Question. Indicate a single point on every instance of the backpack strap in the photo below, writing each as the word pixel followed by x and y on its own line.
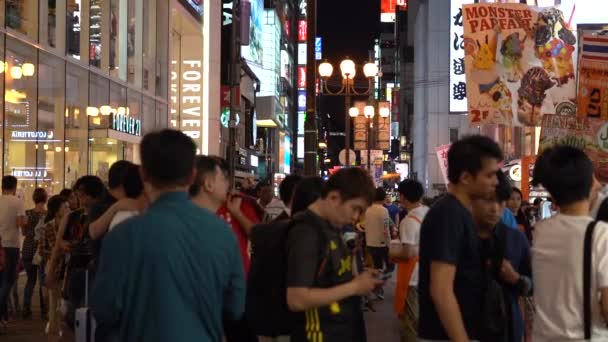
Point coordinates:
pixel 587 262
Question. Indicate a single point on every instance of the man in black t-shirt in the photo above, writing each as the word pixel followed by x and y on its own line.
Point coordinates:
pixel 450 278
pixel 320 281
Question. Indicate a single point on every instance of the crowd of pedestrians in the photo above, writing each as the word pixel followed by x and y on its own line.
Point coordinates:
pixel 172 250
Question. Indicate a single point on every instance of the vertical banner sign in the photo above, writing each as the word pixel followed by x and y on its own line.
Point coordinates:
pixel 458 91
pixel 302 30
pixel 593 77
pixel 360 132
pixel 318 48
pixel 519 64
pixel 301 77
pixel 387 11
pixel 442 158
pixel 588 134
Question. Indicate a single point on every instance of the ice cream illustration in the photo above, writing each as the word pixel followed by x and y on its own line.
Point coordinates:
pixel 555 45
pixel 532 93
pixel 512 51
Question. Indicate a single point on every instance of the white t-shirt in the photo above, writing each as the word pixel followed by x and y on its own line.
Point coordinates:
pixel 377 225
pixel 557 269
pixel 122 216
pixel 409 231
pixel 275 208
pixel 11 207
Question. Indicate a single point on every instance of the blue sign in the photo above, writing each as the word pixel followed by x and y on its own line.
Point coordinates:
pixel 301 100
pixel 318 48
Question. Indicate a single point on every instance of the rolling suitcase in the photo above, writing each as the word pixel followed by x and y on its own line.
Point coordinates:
pixel 84 323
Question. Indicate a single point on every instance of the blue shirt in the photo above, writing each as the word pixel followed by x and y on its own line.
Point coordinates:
pixel 169 275
pixel 509 219
pixel 393 212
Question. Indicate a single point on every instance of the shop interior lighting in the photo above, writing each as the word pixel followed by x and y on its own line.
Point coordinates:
pixel 97 121
pixel 322 145
pixel 121 111
pixel 67 149
pixel 92 111
pixel 3 67
pixel 28 69
pixel 16 72
pixel 266 123
pixel 14 96
pixel 105 110
pixel 57 149
pixel 45 147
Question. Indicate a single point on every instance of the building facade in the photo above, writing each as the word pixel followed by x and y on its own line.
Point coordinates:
pixel 83 80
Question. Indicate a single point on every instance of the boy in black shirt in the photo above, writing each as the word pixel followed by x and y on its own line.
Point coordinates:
pixel 450 278
pixel 320 280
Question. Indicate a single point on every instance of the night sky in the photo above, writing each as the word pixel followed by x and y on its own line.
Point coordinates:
pixel 348 28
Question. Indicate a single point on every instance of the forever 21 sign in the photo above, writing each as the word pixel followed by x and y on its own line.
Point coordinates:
pixel 126 124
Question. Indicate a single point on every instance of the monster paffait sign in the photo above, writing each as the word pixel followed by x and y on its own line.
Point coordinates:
pixel 519 64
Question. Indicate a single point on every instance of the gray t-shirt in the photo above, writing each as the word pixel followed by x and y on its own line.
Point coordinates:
pixel 11 207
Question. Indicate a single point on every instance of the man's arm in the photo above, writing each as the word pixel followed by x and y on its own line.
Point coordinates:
pixel 442 294
pixel 234 300
pixel 409 231
pixel 244 215
pixel 21 217
pixel 99 227
pixel 59 249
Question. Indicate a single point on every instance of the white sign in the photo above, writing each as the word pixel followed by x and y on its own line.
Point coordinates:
pixel 40 135
pixel 403 169
pixel 515 172
pixel 458 98
pixel 302 54
pixel 442 158
pixel 285 65
pixel 300 147
pixel 254 161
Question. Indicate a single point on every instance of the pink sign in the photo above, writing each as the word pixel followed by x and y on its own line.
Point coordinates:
pixel 442 158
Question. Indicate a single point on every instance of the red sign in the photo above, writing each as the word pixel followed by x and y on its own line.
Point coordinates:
pixel 302 30
pixel 287 28
pixel 396 100
pixel 225 96
pixel 388 6
pixel 301 76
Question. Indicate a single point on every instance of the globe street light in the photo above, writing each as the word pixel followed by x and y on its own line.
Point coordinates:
pixel 348 70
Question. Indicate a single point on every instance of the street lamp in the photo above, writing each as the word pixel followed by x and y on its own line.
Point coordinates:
pixel 348 70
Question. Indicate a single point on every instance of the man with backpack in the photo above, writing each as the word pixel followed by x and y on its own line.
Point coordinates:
pixel 508 269
pixel 570 253
pixel 320 282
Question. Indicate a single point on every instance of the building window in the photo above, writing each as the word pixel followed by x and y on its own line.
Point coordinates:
pixel 51 114
pixel 21 134
pixel 76 135
pixel 95 32
pixel 22 16
pixel 48 22
pixel 149 115
pixel 73 28
pixel 162 49
pixel 453 135
pixel 115 37
pixel 162 116
pixel 149 45
pixel 99 95
pixel 132 36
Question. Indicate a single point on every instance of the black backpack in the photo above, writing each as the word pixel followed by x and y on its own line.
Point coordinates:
pixel 266 307
pixel 496 311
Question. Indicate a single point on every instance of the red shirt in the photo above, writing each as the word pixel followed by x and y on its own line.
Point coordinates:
pixel 249 212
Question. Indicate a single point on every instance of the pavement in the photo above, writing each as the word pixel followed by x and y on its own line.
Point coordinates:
pixel 382 325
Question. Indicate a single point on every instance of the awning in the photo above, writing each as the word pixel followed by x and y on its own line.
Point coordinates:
pixel 112 134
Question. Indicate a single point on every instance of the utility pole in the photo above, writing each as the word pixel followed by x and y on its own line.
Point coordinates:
pixel 310 125
pixel 235 84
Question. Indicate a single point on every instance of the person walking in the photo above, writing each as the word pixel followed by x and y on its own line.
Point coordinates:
pixel 173 272
pixel 450 272
pixel 30 244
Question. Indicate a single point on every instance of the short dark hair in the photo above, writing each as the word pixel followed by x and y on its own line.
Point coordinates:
pixel 566 172
pixel 306 193
pixel 503 187
pixel 39 196
pixel 91 185
pixel 204 166
pixel 167 157
pixel 516 189
pixel 412 190
pixel 287 187
pixel 53 207
pixel 350 183
pixel 9 183
pixel 117 172
pixel 379 194
pixel 132 182
pixel 467 155
pixel 66 193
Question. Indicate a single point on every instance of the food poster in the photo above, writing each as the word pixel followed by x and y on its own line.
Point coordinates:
pixel 519 64
pixel 442 159
pixel 588 134
pixel 593 77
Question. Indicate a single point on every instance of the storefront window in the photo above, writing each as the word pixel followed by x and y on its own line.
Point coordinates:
pixel 22 16
pixel 51 114
pixel 118 99
pixel 103 153
pixel 99 95
pixel 21 134
pixel 161 115
pixel 95 33
pixel 73 20
pixel 149 115
pixel 149 44
pixel 76 135
pixel 115 29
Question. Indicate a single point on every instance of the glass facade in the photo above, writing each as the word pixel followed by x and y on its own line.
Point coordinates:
pixel 69 81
